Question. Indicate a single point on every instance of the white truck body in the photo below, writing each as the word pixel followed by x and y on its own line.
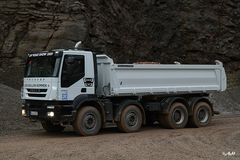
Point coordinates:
pixel 90 92
pixel 157 79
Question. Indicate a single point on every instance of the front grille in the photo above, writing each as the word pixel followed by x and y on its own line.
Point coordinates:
pixel 37 90
pixel 37 95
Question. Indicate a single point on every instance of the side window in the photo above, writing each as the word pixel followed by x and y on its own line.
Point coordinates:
pixel 73 70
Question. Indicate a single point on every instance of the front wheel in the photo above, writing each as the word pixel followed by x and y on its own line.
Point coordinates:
pixel 202 115
pixel 50 127
pixel 176 118
pixel 88 121
pixel 130 119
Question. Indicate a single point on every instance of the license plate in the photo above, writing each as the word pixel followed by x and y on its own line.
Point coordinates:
pixel 33 113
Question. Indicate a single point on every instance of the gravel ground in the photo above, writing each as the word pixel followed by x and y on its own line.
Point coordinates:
pixel 212 142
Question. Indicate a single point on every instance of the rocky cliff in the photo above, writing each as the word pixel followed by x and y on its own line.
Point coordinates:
pixel 128 30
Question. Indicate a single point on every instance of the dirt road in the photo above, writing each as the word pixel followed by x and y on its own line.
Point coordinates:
pixel 222 136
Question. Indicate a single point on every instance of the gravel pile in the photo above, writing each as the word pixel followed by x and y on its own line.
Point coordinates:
pixel 12 76
pixel 228 101
pixel 10 112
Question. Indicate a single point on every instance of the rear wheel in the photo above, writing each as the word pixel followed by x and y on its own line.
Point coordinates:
pixel 50 127
pixel 130 119
pixel 202 115
pixel 176 118
pixel 88 121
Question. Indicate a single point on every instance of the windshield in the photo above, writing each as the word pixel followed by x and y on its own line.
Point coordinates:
pixel 46 66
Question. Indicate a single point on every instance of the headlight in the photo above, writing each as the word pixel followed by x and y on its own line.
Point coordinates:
pixel 50 114
pixel 24 112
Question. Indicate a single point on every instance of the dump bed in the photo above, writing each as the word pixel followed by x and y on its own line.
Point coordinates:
pixel 158 79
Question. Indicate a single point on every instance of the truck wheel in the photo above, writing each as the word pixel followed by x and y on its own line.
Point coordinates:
pixel 88 121
pixel 50 127
pixel 130 119
pixel 202 115
pixel 176 118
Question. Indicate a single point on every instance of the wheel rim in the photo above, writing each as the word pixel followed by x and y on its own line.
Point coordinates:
pixel 202 115
pixel 178 116
pixel 90 121
pixel 131 119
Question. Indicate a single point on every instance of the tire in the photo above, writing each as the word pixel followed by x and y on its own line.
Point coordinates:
pixel 50 127
pixel 88 121
pixel 176 118
pixel 131 119
pixel 202 115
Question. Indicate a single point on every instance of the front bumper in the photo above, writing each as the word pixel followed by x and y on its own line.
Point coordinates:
pixel 58 112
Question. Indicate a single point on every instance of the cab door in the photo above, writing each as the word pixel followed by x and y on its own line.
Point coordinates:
pixel 72 77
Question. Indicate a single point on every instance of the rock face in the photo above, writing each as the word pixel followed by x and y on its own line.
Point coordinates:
pixel 40 25
pixel 128 30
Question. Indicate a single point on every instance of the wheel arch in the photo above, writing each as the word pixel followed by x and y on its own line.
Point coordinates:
pixel 88 100
pixel 167 102
pixel 126 103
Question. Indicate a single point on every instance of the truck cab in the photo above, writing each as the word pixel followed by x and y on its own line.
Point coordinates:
pixel 59 75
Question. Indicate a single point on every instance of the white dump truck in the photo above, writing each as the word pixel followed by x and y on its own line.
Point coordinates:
pixel 90 92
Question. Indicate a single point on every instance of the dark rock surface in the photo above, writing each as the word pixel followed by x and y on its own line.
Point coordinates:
pixel 128 30
pixel 39 25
